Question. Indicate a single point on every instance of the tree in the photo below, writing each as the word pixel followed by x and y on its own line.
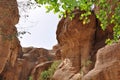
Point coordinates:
pixel 108 11
pixel 24 8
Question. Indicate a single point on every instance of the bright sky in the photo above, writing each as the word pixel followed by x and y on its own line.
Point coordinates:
pixel 42 27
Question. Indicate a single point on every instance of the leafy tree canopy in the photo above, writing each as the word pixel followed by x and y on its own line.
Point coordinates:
pixel 108 12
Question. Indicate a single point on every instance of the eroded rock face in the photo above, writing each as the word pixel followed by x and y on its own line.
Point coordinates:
pixel 32 61
pixel 9 44
pixel 40 58
pixel 76 40
pixel 37 55
pixel 79 44
pixel 57 51
pixel 107 65
pixel 36 72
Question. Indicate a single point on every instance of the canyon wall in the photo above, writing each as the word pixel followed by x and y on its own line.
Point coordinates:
pixel 9 44
pixel 17 63
pixel 78 46
pixel 31 64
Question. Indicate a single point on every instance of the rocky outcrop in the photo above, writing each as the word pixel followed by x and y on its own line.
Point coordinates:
pixel 78 45
pixel 107 65
pixel 75 40
pixel 10 48
pixel 34 57
pixel 29 64
pixel 36 72
pixel 37 55
pixel 45 62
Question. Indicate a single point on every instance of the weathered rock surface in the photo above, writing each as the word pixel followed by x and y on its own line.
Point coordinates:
pixel 39 69
pixel 57 52
pixel 45 62
pixel 32 61
pixel 34 57
pixel 107 65
pixel 9 44
pixel 78 45
pixel 37 55
pixel 76 40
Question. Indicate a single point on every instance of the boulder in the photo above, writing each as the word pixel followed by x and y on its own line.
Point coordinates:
pixel 107 66
pixel 36 72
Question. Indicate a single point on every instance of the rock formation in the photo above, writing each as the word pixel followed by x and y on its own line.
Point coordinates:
pixel 78 45
pixel 14 66
pixel 39 69
pixel 107 66
pixel 57 52
pixel 32 61
pixel 17 63
pixel 9 44
pixel 76 40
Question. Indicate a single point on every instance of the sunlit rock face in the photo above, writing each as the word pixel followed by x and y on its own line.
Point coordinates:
pixel 9 44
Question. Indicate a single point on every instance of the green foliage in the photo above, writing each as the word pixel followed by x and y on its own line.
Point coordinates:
pixel 47 75
pixel 65 6
pixel 87 63
pixel 106 13
pixel 108 41
pixel 30 78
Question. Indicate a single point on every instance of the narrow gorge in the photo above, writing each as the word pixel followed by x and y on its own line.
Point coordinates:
pixel 81 49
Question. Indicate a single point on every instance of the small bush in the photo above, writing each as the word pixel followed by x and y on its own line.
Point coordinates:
pixel 47 75
pixel 30 78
